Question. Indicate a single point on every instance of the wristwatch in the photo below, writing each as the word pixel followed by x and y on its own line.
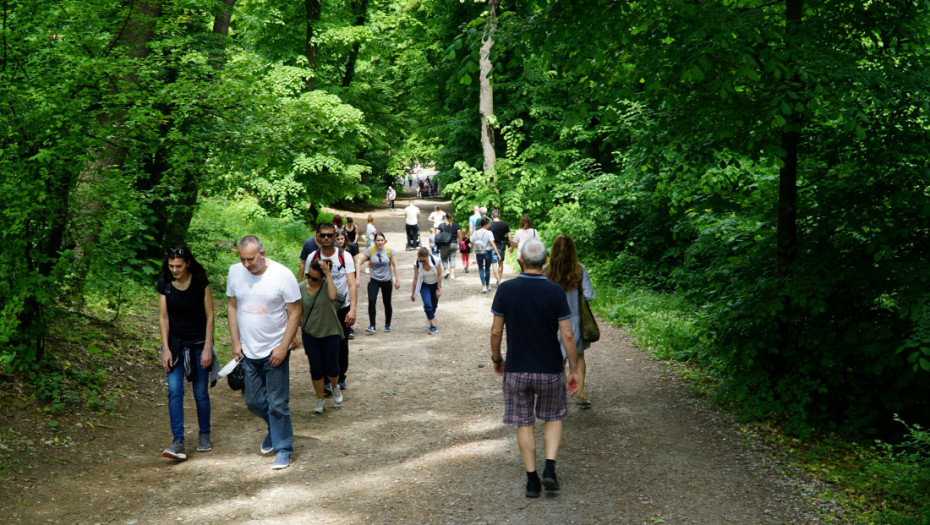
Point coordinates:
pixel 498 360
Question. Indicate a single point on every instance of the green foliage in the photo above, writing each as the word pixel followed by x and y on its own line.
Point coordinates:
pixel 901 473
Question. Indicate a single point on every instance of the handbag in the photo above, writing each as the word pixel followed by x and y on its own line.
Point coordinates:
pixel 589 330
pixel 236 378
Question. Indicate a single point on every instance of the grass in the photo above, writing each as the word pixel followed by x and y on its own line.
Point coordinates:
pixel 874 484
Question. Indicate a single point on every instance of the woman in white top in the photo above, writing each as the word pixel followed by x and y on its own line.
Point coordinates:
pixel 427 281
pixel 483 245
pixel 436 217
pixel 525 233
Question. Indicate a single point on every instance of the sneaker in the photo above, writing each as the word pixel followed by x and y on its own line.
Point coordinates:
pixel 387 328
pixel 371 329
pixel 367 270
pixel 327 390
pixel 175 451
pixel 466 269
pixel 433 330
pixel 452 277
pixel 583 402
pixel 484 289
pixel 266 444
pixel 320 406
pixel 533 487
pixel 282 460
pixel 204 445
pixel 337 395
pixel 351 333
pixel 549 480
pixel 446 275
pixel 342 385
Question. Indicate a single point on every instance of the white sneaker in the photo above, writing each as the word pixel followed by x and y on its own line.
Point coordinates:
pixel 446 276
pixel 484 289
pixel 367 270
pixel 320 406
pixel 337 395
pixel 452 277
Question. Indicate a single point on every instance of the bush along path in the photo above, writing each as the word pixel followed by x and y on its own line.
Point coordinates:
pixel 419 439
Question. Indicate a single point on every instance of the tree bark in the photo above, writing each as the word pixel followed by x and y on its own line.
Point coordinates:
pixel 222 20
pixel 88 208
pixel 486 93
pixel 787 233
pixel 786 243
pixel 361 13
pixel 314 10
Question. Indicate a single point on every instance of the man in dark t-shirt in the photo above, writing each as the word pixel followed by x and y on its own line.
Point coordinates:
pixel 501 231
pixel 535 312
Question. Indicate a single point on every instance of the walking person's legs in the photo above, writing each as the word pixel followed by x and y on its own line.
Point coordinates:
pixel 372 304
pixel 386 289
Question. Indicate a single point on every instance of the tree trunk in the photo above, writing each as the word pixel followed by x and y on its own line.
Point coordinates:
pixel 786 243
pixel 314 9
pixel 88 208
pixel 361 11
pixel 221 22
pixel 486 93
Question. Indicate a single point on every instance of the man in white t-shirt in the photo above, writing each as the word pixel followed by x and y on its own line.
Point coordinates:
pixel 264 314
pixel 412 220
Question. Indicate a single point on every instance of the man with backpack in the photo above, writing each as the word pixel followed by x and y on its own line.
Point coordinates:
pixel 343 273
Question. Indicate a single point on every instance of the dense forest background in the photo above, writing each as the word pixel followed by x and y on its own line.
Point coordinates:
pixel 763 163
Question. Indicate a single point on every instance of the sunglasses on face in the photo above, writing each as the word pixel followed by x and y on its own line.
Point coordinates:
pixel 314 279
pixel 327 235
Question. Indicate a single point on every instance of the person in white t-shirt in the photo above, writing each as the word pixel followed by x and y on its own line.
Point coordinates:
pixel 436 217
pixel 263 310
pixel 482 242
pixel 412 221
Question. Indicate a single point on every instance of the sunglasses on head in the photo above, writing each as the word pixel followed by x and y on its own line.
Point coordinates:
pixel 175 252
pixel 327 235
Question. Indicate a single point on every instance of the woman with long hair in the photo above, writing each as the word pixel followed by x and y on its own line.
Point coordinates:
pixel 380 259
pixel 185 316
pixel 370 232
pixel 427 281
pixel 565 270
pixel 321 330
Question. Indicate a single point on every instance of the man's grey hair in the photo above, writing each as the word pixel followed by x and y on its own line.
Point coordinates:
pixel 495 213
pixel 483 210
pixel 534 254
pixel 251 240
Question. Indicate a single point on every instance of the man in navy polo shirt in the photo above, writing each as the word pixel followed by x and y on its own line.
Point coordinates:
pixel 534 310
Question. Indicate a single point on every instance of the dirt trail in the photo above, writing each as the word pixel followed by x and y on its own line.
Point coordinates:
pixel 419 439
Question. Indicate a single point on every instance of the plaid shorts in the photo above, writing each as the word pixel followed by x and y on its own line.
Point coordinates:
pixel 524 389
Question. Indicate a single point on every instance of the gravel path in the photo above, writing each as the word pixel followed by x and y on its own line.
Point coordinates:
pixel 419 439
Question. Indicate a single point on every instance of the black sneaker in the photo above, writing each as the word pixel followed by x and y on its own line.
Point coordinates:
pixel 533 487
pixel 549 480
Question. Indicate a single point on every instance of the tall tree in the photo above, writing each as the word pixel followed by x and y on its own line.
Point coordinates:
pixel 486 96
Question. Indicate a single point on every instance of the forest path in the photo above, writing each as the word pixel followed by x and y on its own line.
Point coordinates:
pixel 419 439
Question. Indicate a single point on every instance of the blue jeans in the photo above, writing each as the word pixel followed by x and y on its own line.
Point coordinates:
pixel 176 397
pixel 267 394
pixel 430 301
pixel 484 267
